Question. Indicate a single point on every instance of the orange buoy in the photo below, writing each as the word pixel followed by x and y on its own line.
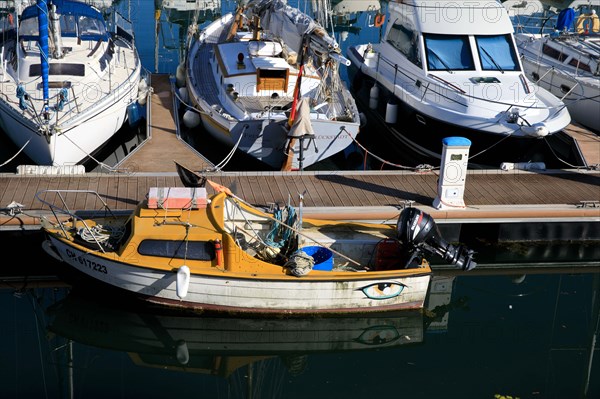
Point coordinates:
pixel 219 252
pixel 379 19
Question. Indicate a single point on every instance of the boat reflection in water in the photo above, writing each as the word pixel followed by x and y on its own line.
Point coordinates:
pixel 221 345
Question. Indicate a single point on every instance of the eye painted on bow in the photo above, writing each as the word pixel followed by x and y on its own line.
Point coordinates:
pixel 378 335
pixel 383 290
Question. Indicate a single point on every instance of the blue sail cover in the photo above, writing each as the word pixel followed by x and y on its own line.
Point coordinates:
pixel 42 11
pixel 565 19
pixel 76 9
pixel 66 7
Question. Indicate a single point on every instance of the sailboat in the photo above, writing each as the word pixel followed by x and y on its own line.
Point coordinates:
pixel 246 74
pixel 69 81
pixel 566 60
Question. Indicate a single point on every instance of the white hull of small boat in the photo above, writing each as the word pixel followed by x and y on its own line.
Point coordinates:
pixel 224 294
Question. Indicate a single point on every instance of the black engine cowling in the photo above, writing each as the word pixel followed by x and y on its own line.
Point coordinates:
pixel 418 233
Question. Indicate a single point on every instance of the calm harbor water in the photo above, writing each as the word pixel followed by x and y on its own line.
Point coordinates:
pixel 518 330
pixel 530 336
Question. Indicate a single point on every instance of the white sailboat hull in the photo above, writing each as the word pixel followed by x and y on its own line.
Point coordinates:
pixel 81 137
pixel 248 105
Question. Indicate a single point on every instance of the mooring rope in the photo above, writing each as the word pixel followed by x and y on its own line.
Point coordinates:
pixel 17 153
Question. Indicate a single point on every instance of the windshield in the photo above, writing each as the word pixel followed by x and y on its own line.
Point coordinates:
pixel 405 40
pixel 87 28
pixel 497 53
pixel 448 52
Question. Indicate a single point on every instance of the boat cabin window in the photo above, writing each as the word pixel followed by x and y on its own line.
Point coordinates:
pixel 68 69
pixel 554 53
pixel 68 26
pixel 406 41
pixel 91 28
pixel 448 52
pixel 580 65
pixel 497 53
pixel 28 28
pixel 194 250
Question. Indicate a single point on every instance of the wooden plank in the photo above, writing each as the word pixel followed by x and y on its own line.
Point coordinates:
pixel 370 191
pixel 256 184
pixel 298 186
pixel 32 189
pixel 275 194
pixel 327 192
pixel 588 142
pixel 90 199
pixel 19 194
pixel 80 198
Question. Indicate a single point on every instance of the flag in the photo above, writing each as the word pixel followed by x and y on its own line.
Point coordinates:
pixel 219 188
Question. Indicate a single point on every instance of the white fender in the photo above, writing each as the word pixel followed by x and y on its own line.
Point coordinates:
pixel 183 281
pixel 191 119
pixel 142 91
pixel 535 130
pixel 184 95
pixel 180 75
pixel 391 112
pixel 374 96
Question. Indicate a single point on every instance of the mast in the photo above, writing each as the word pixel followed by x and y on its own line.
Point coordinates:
pixel 289 152
pixel 42 8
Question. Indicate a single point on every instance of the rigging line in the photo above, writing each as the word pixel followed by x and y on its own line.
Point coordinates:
pixel 238 207
pixel 229 156
pixel 100 163
pixel 592 345
pixel 560 159
pixel 493 145
pixel 176 92
pixel 18 152
pixel 390 163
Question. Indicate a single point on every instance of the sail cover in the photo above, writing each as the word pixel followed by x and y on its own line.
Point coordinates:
pixel 291 25
pixel 302 125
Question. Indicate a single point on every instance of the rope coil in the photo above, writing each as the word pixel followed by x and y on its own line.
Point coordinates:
pixel 299 263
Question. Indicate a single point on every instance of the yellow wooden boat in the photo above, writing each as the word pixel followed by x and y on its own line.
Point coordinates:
pixel 182 248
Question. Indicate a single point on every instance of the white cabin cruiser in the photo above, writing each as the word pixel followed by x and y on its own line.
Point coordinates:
pixel 449 68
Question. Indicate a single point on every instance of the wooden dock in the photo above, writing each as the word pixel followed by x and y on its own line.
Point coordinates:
pixel 156 153
pixel 515 195
pixel 588 143
pixel 373 195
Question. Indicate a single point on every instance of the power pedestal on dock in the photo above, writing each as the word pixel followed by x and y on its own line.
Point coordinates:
pixel 453 173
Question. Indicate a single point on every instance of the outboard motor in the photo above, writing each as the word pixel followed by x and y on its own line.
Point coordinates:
pixel 418 232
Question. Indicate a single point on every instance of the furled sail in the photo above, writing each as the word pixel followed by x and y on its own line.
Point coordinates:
pixel 42 8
